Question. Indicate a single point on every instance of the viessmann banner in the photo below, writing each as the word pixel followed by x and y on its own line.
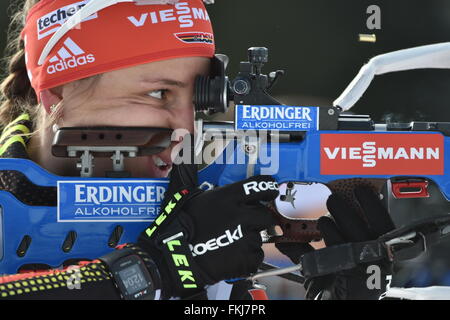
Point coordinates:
pixel 382 154
pixel 120 201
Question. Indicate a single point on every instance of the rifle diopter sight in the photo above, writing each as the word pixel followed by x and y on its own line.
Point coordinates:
pixel 215 92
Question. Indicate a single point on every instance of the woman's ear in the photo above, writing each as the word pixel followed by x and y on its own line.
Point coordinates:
pixel 50 98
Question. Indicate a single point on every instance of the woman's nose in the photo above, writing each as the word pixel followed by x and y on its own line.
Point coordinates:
pixel 183 117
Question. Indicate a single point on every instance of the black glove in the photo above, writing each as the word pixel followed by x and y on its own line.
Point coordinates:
pixel 346 226
pixel 221 230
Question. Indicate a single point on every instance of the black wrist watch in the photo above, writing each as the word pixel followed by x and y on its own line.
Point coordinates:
pixel 135 274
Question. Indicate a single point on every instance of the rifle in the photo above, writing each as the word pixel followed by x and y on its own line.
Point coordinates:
pixel 331 146
pixel 315 144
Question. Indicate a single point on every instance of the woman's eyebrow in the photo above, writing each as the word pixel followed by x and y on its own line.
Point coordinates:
pixel 165 81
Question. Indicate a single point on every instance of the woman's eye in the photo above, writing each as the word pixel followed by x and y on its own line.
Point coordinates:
pixel 158 94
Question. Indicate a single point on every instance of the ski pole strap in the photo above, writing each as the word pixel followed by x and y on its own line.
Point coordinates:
pixel 400 244
pixel 410 241
pixel 341 257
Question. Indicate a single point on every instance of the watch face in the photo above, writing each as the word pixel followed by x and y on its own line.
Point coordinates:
pixel 133 279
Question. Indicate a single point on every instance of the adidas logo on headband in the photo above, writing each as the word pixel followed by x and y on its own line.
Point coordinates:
pixel 69 56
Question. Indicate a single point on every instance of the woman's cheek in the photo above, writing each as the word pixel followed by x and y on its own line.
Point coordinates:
pixel 183 119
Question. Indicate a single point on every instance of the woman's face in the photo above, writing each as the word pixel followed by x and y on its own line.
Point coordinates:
pixel 157 94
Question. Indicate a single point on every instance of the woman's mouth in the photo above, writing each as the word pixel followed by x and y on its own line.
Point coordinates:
pixel 160 165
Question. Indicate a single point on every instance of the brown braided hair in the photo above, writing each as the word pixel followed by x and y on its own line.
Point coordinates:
pixel 17 95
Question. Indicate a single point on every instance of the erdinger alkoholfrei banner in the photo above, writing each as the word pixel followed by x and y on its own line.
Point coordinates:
pixel 110 200
pixel 276 117
pixel 118 36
